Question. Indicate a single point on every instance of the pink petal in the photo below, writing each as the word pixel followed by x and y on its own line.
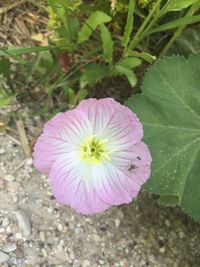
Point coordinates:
pixel 71 188
pixel 62 134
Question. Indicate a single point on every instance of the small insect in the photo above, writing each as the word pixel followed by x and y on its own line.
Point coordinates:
pixel 131 167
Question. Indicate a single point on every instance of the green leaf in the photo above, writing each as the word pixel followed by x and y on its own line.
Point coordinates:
pixel 177 5
pixel 129 23
pixel 143 55
pixel 107 44
pixel 13 51
pixel 96 18
pixel 130 62
pixel 130 75
pixel 169 108
pixel 93 74
pixel 176 23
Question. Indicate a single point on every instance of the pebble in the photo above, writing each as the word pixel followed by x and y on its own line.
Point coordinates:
pixel 162 249
pixel 60 227
pixel 86 263
pixel 13 187
pixel 9 247
pixel 18 235
pixel 9 178
pixel 2 151
pixel 19 253
pixel 5 222
pixel 117 222
pixel 44 252
pixel 24 222
pixel 3 257
pixel 42 236
pixel 120 214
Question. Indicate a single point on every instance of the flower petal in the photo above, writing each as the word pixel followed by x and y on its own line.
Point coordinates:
pixel 70 187
pixel 112 185
pixel 64 133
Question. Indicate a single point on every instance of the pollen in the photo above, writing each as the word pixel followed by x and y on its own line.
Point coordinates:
pixel 94 150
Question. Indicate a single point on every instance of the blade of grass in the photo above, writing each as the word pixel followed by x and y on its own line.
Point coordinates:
pixel 129 25
pixel 176 23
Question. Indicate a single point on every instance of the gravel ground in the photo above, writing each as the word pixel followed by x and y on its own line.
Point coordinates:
pixel 37 231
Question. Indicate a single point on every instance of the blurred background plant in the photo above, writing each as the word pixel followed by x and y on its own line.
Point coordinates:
pixel 89 48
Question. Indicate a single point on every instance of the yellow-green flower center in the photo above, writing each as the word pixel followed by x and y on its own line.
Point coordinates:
pixel 94 150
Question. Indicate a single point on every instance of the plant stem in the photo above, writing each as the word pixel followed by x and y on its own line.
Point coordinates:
pixel 136 38
pixel 178 32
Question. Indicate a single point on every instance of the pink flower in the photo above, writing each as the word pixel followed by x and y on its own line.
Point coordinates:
pixel 94 155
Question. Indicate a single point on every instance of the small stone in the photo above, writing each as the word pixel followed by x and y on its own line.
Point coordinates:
pixel 101 262
pixel 86 263
pixel 13 187
pixel 72 256
pixel 60 248
pixel 162 249
pixel 9 178
pixel 5 222
pixel 42 236
pixel 3 257
pixel 19 253
pixel 167 223
pixel 181 235
pixel 24 222
pixel 8 229
pixel 117 222
pixel 44 252
pixel 15 199
pixel 18 236
pixel 120 214
pixel 96 238
pixel 3 237
pixel 2 151
pixel 9 247
pixel 60 227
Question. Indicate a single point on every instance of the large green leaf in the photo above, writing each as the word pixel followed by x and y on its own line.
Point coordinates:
pixel 96 18
pixel 169 108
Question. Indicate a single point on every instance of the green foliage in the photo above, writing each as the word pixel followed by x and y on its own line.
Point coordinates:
pixel 96 18
pixel 130 75
pixel 129 24
pixel 93 73
pixel 177 5
pixel 107 44
pixel 169 110
pixel 145 56
pixel 176 23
